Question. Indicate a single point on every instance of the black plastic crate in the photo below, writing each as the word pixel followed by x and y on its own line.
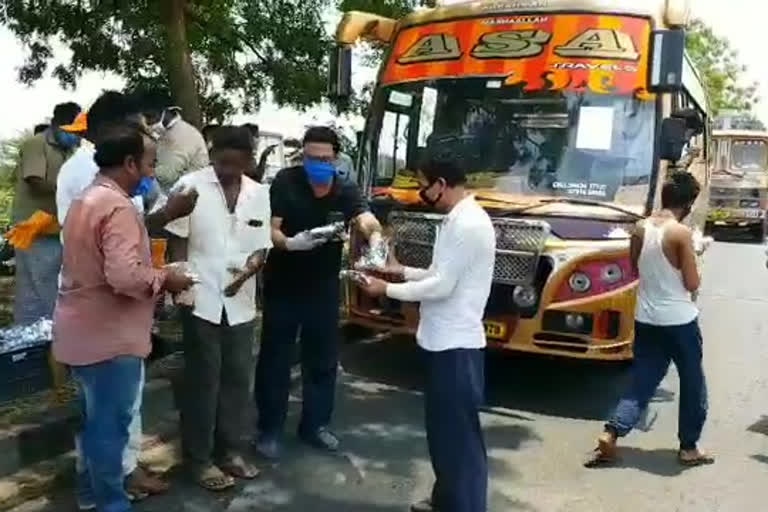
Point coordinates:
pixel 24 371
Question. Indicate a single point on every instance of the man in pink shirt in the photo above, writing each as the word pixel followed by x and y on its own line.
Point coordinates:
pixel 106 301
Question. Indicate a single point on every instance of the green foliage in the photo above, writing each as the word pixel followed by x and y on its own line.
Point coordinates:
pixel 243 47
pixel 721 71
pixel 9 155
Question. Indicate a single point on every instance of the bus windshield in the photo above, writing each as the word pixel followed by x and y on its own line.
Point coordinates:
pixel 576 144
pixel 749 155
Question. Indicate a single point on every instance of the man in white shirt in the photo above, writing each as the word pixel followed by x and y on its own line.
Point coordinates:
pixel 79 171
pixel 227 237
pixel 181 147
pixel 453 294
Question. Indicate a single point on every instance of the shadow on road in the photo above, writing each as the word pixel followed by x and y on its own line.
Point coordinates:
pixel 661 462
pixel 760 458
pixel 760 426
pixel 552 386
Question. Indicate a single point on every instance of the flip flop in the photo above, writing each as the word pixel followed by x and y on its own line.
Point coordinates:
pixel 213 479
pixel 237 467
pixel 701 459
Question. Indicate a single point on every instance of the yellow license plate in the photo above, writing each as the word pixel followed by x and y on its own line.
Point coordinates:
pixel 495 330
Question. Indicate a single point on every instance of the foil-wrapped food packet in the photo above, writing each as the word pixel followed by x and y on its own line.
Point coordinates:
pixel 19 337
pixel 328 231
pixel 375 256
pixel 355 276
pixel 187 297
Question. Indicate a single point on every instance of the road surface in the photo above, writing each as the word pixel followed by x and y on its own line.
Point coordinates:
pixel 542 418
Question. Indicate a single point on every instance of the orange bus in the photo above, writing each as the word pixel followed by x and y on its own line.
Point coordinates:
pixel 567 116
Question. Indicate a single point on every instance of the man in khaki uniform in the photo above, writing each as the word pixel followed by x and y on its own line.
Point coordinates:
pixel 181 147
pixel 37 267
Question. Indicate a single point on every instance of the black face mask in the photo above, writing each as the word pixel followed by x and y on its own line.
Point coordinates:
pixel 429 202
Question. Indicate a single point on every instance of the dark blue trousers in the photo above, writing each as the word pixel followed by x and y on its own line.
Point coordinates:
pixel 453 394
pixel 655 347
pixel 315 312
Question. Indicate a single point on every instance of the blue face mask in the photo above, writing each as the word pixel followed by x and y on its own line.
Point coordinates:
pixel 65 139
pixel 144 186
pixel 319 172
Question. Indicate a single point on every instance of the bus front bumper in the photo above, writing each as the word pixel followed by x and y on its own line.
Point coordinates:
pixel 595 328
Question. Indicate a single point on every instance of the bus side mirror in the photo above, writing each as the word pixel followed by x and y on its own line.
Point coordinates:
pixel 340 79
pixel 667 57
pixel 673 139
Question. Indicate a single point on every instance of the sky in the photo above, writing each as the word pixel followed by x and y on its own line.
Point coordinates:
pixel 22 107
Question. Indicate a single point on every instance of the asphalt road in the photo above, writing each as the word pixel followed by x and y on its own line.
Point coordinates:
pixel 542 418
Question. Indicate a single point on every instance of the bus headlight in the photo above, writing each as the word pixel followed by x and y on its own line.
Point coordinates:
pixel 580 282
pixel 611 273
pixel 525 296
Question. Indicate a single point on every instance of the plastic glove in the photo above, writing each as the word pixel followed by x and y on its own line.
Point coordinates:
pixel 38 224
pixel 303 241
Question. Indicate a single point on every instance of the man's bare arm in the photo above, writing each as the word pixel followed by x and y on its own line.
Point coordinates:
pixel 367 224
pixel 687 257
pixel 278 237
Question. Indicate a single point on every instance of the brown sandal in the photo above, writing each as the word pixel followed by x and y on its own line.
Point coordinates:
pixel 237 467
pixel 214 479
pixel 698 459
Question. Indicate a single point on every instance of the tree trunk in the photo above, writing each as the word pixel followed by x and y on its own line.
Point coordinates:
pixel 181 74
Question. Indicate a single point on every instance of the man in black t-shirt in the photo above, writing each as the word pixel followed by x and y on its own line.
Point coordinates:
pixel 301 292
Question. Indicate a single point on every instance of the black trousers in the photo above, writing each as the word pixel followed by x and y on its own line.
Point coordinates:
pixel 216 393
pixel 453 395
pixel 315 312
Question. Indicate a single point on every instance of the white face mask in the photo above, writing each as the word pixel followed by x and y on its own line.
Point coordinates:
pixel 161 127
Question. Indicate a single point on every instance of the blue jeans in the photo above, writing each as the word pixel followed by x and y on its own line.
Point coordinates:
pixel 655 347
pixel 454 393
pixel 108 393
pixel 131 453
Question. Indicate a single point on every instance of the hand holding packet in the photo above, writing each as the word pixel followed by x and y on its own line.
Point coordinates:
pixel 355 276
pixel 375 256
pixel 187 297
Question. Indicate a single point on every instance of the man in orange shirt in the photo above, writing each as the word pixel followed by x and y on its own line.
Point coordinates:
pixel 106 301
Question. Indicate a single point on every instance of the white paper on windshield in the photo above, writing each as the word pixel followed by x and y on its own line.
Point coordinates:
pixel 595 128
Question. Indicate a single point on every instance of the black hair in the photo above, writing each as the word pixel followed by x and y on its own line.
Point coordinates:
pixel 117 142
pixel 680 190
pixel 232 137
pixel 322 135
pixel 253 128
pixel 111 107
pixel 65 113
pixel 40 128
pixel 152 100
pixel 435 168
pixel 209 130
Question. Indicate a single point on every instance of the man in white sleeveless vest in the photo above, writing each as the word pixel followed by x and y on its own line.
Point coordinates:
pixel 666 324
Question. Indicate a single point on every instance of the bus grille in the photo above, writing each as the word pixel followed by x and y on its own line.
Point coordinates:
pixel 519 244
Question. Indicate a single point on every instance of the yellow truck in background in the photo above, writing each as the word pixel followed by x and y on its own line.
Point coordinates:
pixel 739 191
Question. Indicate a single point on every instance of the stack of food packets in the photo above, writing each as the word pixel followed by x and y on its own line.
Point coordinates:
pixel 21 337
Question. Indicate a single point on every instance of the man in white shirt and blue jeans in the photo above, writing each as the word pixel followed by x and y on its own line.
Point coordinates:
pixel 227 237
pixel 453 294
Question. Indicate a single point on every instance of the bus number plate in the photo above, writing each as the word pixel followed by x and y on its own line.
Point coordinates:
pixel 495 330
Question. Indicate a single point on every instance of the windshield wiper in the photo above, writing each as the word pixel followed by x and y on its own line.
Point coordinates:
pixel 584 202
